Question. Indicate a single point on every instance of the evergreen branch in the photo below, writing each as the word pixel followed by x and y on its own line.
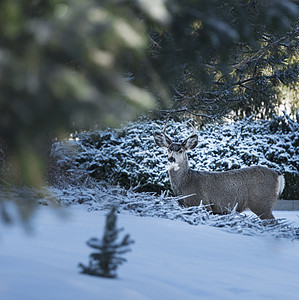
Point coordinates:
pixel 256 78
pixel 156 44
pixel 249 88
pixel 105 262
pixel 186 110
pixel 262 52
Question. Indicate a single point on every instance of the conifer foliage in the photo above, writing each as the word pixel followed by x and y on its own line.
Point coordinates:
pixel 107 257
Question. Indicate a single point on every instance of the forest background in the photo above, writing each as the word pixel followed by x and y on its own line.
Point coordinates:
pixel 70 66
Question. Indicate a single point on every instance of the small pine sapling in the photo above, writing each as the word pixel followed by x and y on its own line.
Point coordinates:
pixel 107 257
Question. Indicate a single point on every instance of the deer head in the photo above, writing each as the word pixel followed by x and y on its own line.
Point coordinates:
pixel 177 156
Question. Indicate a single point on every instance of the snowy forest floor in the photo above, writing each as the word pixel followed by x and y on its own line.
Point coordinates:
pixel 179 252
pixel 103 197
pixel 95 196
pixel 169 260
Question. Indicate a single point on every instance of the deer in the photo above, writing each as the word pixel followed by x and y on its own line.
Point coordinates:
pixel 256 188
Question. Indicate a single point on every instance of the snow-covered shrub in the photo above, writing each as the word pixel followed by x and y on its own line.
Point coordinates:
pixel 129 157
pixel 63 168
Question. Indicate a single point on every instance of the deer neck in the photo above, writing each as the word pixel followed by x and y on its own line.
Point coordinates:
pixel 178 174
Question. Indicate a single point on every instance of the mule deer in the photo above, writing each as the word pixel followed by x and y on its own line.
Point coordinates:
pixel 256 188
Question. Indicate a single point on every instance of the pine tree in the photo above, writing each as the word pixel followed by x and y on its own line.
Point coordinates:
pixel 107 257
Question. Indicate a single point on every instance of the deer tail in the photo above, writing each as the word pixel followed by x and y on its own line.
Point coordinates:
pixel 281 184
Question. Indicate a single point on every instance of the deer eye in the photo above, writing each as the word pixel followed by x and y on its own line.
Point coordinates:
pixel 181 151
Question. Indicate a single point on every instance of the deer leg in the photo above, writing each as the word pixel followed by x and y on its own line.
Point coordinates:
pixel 268 216
pixel 182 203
pixel 262 213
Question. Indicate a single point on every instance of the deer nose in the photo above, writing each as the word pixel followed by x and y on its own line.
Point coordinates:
pixel 171 159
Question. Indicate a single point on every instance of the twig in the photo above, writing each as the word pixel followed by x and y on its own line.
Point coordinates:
pixel 174 111
pixel 262 51
pixel 241 82
pixel 154 42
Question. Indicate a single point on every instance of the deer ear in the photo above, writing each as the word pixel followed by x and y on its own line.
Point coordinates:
pixel 162 140
pixel 190 142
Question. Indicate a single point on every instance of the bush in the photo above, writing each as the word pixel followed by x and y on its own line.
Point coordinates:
pixel 129 156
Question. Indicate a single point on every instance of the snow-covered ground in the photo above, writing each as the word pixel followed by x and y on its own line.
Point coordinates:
pixel 170 260
pixel 179 253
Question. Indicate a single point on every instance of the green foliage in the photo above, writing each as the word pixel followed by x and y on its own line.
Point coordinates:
pixel 105 261
pixel 221 56
pixel 65 65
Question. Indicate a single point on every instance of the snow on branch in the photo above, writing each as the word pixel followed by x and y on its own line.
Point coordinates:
pixel 164 206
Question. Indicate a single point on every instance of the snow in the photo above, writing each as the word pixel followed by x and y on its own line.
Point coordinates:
pixel 169 260
pixel 179 253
